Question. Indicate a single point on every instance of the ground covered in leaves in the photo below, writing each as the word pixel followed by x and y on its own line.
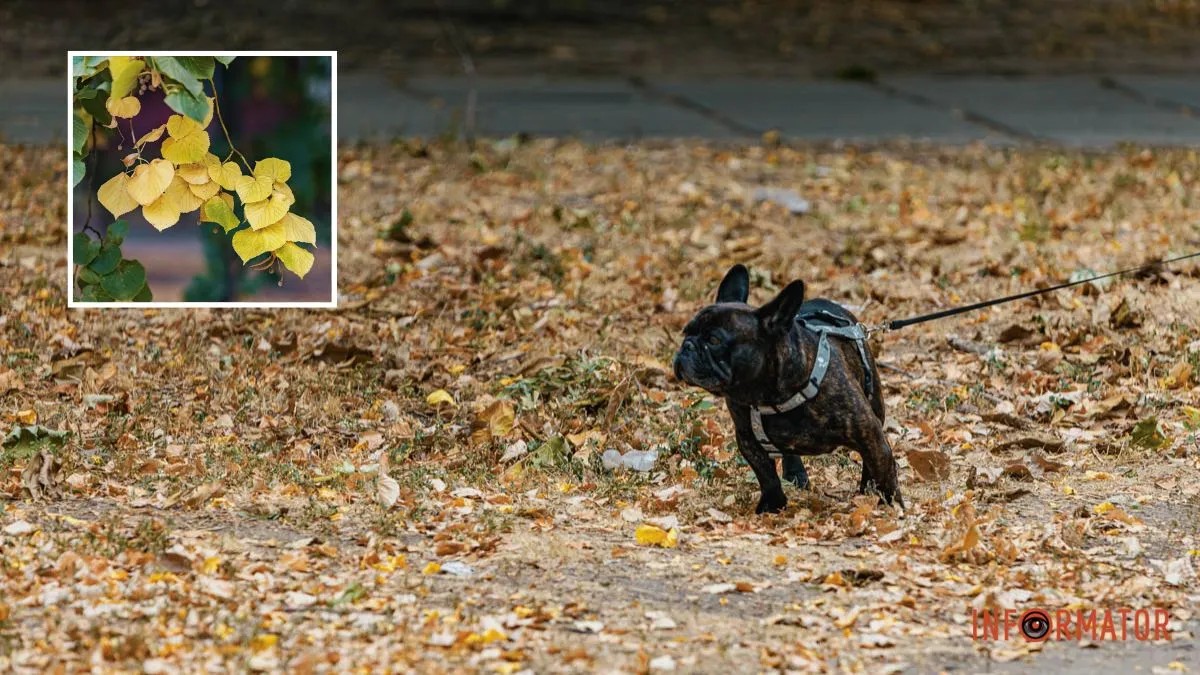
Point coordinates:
pixel 418 479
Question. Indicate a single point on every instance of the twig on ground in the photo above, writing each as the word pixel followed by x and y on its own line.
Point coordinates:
pixel 968 346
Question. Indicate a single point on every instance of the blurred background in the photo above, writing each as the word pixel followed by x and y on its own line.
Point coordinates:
pixel 274 106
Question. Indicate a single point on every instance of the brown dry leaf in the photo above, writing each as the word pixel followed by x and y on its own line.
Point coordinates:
pixel 929 465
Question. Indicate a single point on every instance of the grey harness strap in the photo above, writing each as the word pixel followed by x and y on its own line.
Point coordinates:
pixel 811 388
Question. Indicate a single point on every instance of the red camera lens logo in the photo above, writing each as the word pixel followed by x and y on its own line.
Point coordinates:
pixel 1035 625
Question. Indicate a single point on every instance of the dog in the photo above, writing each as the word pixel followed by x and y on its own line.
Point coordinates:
pixel 797 378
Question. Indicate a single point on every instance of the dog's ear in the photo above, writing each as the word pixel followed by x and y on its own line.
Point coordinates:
pixel 778 314
pixel 735 287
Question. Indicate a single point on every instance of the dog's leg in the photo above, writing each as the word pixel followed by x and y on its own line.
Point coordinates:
pixel 793 470
pixel 879 466
pixel 772 499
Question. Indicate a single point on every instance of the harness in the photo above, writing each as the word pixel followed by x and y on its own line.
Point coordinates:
pixel 825 324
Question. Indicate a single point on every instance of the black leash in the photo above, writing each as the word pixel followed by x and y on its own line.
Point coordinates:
pixel 902 323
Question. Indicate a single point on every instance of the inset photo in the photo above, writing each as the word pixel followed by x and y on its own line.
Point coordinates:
pixel 202 180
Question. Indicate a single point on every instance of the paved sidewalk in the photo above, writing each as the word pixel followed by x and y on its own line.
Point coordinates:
pixel 1073 111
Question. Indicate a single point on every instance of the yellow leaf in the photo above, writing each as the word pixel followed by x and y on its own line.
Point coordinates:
pixel 1098 475
pixel 27 417
pixel 124 71
pixel 123 107
pixel 299 229
pixel 163 213
pixel 275 168
pixel 266 212
pixel 672 539
pixel 250 244
pixel 188 143
pixel 295 259
pixel 225 175
pixel 1192 415
pixel 650 535
pixel 151 136
pixel 439 397
pixel 493 635
pixel 205 191
pixel 431 568
pixel 180 192
pixel 263 642
pixel 284 193
pixel 208 115
pixel 150 181
pixel 211 564
pixel 1103 507
pixel 219 210
pixel 114 195
pixel 500 417
pixel 195 173
pixel 253 188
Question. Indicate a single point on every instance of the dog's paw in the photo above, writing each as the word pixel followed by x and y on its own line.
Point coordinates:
pixel 771 503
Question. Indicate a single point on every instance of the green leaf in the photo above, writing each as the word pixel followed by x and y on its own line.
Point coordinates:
pixel 78 169
pixel 85 249
pixel 107 261
pixel 144 295
pixel 115 234
pixel 185 104
pixel 95 106
pixel 86 277
pixel 126 281
pixel 172 69
pixel 95 293
pixel 225 59
pixel 79 133
pixel 1148 434
pixel 85 66
pixel 200 66
pixel 216 210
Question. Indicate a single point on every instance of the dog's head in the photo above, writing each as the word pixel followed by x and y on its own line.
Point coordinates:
pixel 730 346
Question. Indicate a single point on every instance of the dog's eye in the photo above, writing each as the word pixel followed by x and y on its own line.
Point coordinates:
pixel 714 340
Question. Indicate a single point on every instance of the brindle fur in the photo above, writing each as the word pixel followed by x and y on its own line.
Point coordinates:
pixel 764 358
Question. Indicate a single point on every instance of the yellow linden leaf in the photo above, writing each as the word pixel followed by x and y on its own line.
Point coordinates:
pixel 253 188
pixel 296 259
pixel 225 175
pixel 195 173
pixel 180 193
pixel 263 642
pixel 208 115
pixel 219 210
pixel 114 196
pixel 1103 507
pixel 189 140
pixel 250 244
pixel 124 71
pixel 649 535
pixel 265 213
pixel 151 136
pixel 284 192
pixel 299 229
pixel 277 169
pixel 150 181
pixel 205 191
pixel 123 107
pixel 431 568
pixel 162 214
pixel 439 397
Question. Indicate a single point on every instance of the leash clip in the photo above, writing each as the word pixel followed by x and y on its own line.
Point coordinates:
pixel 871 329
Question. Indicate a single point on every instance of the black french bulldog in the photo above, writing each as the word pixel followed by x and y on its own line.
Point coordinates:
pixel 764 361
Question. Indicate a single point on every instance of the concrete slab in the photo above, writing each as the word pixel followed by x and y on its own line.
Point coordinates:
pixel 33 111
pixel 821 110
pixel 1073 111
pixel 1167 89
pixel 370 108
pixel 588 109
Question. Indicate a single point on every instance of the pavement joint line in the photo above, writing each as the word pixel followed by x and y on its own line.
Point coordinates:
pixel 678 100
pixel 1178 107
pixel 971 116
